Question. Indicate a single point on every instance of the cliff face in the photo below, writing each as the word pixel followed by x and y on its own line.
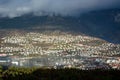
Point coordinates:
pixel 104 24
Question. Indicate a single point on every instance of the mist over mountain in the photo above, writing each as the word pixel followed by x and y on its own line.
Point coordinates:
pixel 15 8
pixel 103 24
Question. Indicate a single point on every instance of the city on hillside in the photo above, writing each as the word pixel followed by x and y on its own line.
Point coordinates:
pixel 58 50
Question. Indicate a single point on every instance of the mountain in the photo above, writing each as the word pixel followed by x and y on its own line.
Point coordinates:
pixel 103 24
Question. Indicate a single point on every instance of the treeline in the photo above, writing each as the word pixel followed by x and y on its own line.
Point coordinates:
pixel 57 74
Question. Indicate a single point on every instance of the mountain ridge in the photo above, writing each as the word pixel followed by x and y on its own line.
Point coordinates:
pixel 101 24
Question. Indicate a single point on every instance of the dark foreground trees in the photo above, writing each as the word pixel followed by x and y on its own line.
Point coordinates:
pixel 57 74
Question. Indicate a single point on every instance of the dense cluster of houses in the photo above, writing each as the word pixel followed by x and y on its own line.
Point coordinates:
pixel 66 45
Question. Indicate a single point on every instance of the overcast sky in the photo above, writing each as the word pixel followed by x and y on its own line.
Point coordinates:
pixel 13 8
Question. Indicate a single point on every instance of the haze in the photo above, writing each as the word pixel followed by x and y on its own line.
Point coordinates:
pixel 14 8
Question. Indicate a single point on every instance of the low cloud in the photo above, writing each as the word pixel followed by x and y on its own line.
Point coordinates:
pixel 14 8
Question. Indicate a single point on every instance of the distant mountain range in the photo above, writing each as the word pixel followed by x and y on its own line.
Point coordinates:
pixel 104 24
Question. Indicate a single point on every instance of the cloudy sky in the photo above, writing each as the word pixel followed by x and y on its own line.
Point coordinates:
pixel 14 8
